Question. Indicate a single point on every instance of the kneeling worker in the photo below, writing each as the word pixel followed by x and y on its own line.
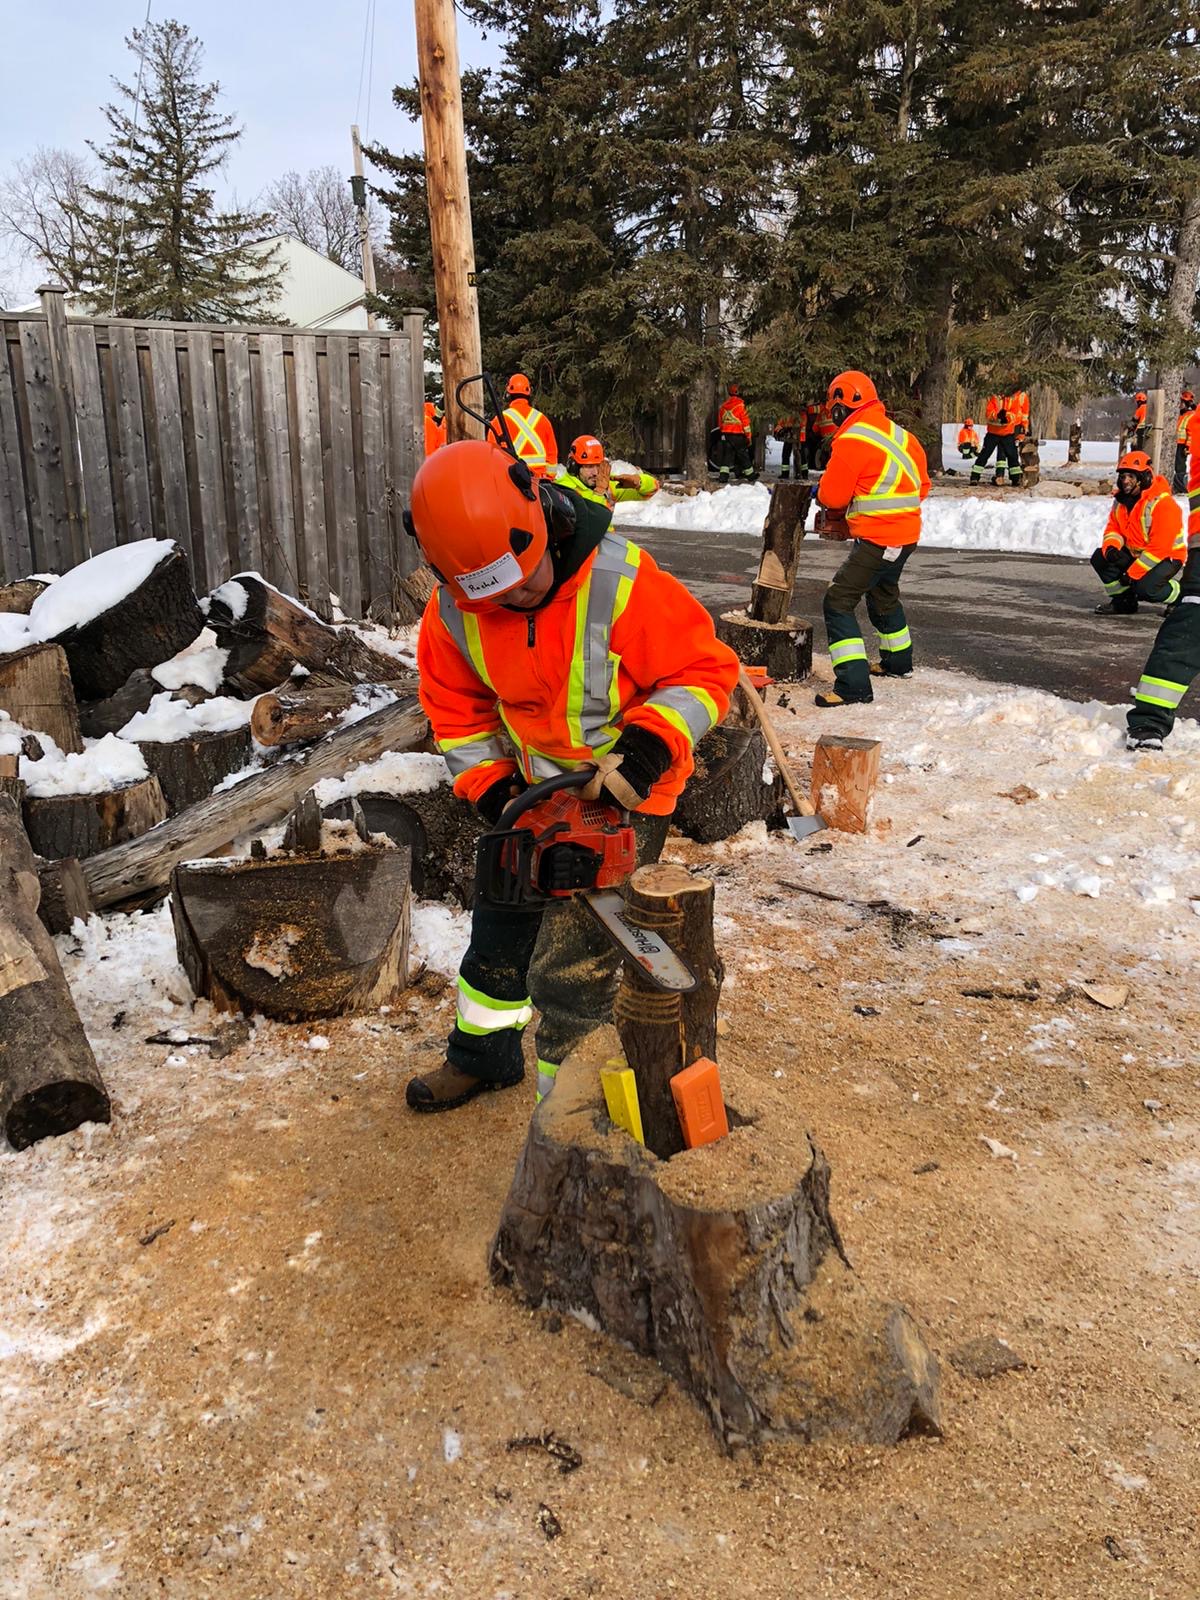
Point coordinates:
pixel 968 441
pixel 871 491
pixel 1144 544
pixel 549 644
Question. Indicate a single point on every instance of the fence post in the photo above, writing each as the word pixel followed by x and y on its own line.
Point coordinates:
pixel 53 298
pixel 408 556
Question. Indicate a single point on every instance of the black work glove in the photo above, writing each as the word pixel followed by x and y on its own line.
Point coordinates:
pixel 644 759
pixel 497 795
pixel 1002 416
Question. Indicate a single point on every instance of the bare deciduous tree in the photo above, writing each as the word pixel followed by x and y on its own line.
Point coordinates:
pixel 318 208
pixel 47 214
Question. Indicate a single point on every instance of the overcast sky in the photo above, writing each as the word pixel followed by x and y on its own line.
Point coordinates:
pixel 288 71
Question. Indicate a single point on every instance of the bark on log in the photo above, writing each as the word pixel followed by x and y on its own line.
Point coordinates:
pixel 98 717
pixel 783 648
pixel 35 690
pixel 411 595
pixel 272 633
pixel 1031 462
pixel 16 598
pixel 49 1081
pixel 295 937
pixel 1074 442
pixel 190 769
pixel 844 774
pixel 82 825
pixel 263 798
pixel 727 790
pixel 159 619
pixel 302 710
pixel 64 894
pixel 10 779
pixel 441 831
pixel 661 1033
pixel 783 532
pixel 723 1264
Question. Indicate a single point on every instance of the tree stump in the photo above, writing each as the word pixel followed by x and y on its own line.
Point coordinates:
pixel 16 598
pixel 190 769
pixel 844 774
pixel 723 1264
pixel 64 894
pixel 81 825
pixel 442 832
pixel 10 779
pixel 35 690
pixel 783 648
pixel 727 789
pixel 783 533
pixel 1074 443
pixel 295 937
pixel 300 710
pixel 153 623
pixel 663 1032
pixel 49 1081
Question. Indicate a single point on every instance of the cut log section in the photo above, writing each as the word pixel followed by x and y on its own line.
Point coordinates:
pixel 1031 462
pixel 156 621
pixel 19 596
pixel 49 1081
pixel 81 825
pixel 727 789
pixel 722 1264
pixel 661 1033
pixel 442 832
pixel 64 894
pixel 783 648
pixel 35 690
pixel 268 633
pixel 190 769
pixel 98 717
pixel 297 711
pixel 844 774
pixel 10 779
pixel 295 937
pixel 264 797
pixel 783 533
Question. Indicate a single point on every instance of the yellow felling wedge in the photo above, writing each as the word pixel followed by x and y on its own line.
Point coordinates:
pixel 621 1098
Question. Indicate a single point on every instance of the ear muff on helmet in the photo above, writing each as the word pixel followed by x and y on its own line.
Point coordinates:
pixel 523 478
pixel 559 509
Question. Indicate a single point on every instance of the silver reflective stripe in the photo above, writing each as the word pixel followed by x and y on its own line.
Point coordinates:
pixel 547 1071
pixel 452 618
pixel 1161 692
pixel 689 706
pixel 848 650
pixel 896 641
pixel 872 508
pixel 1148 512
pixel 613 564
pixel 472 753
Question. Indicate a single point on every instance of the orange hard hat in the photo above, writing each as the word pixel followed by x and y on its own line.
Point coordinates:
pixel 478 517
pixel 518 384
pixel 587 451
pixel 1134 461
pixel 733 388
pixel 851 389
pixel 1140 395
pixel 968 423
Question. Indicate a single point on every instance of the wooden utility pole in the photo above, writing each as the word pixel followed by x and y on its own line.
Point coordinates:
pixel 359 186
pixel 449 210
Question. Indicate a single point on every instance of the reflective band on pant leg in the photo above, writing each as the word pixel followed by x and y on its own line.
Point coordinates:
pixel 847 650
pixel 1160 692
pixel 478 1013
pixel 1117 586
pixel 547 1072
pixel 896 641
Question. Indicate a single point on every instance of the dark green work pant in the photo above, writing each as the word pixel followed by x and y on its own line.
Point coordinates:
pixel 1167 676
pixel 1008 454
pixel 871 571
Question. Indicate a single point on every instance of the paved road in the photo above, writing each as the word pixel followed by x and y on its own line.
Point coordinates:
pixel 1019 619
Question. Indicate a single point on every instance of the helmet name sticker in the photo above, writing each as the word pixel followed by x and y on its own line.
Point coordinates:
pixel 495 578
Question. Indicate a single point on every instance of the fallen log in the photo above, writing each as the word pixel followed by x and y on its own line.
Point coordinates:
pixel 268 633
pixel 727 789
pixel 441 831
pixel 295 937
pixel 723 1264
pixel 154 621
pixel 301 710
pixel 82 825
pixel 190 769
pixel 49 1081
pixel 17 598
pixel 260 799
pixel 35 690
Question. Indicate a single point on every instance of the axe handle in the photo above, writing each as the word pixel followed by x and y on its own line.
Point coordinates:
pixel 803 806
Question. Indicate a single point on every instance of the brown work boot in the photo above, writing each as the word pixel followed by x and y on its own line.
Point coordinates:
pixel 878 670
pixel 447 1087
pixel 828 698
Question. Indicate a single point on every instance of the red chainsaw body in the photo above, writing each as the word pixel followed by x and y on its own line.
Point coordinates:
pixel 563 845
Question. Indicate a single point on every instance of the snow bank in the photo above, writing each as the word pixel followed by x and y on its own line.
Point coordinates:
pixel 165 720
pixel 106 763
pixel 82 594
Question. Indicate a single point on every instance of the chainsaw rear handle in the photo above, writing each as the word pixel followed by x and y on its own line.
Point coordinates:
pixel 577 778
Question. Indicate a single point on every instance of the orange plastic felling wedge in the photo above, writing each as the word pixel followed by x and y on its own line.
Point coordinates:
pixel 758 677
pixel 697 1092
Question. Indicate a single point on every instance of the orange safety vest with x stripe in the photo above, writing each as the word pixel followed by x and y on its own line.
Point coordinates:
pixel 877 477
pixel 532 435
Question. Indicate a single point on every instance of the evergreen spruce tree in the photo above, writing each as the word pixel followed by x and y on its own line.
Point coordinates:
pixel 164 249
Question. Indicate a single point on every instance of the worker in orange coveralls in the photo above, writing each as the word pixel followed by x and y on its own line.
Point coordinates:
pixel 435 427
pixel 1144 544
pixel 734 422
pixel 549 644
pixel 871 493
pixel 530 430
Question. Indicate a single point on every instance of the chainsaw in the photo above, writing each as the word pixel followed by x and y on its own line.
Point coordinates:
pixel 550 845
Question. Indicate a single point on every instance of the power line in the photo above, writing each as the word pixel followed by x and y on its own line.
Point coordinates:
pixel 366 65
pixel 137 106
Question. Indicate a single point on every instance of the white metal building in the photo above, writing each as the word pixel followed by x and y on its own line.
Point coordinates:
pixel 314 292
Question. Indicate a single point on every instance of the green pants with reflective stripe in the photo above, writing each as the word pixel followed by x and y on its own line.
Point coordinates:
pixel 558 957
pixel 871 571
pixel 1174 662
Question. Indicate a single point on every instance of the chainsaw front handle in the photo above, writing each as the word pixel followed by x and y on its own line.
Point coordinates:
pixel 578 778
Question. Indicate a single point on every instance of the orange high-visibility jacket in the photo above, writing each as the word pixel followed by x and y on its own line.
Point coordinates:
pixel 1011 405
pixel 1193 479
pixel 795 428
pixel 532 434
pixel 1139 414
pixel 435 431
pixel 968 436
pixel 1152 528
pixel 1020 397
pixel 732 416
pixel 621 644
pixel 877 477
pixel 1181 432
pixel 824 426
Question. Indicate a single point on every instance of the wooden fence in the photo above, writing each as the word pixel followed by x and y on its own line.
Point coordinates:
pixel 278 450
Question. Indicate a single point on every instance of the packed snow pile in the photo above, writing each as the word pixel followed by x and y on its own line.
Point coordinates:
pixel 165 720
pixel 395 772
pixel 201 664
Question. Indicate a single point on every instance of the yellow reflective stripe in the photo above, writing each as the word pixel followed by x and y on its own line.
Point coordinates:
pixel 886 495
pixel 1148 512
pixel 527 434
pixel 1159 692
pixel 901 640
pixel 848 650
pixel 477 750
pixel 577 675
pixel 547 1071
pixel 691 711
pixel 475 647
pixel 478 1013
